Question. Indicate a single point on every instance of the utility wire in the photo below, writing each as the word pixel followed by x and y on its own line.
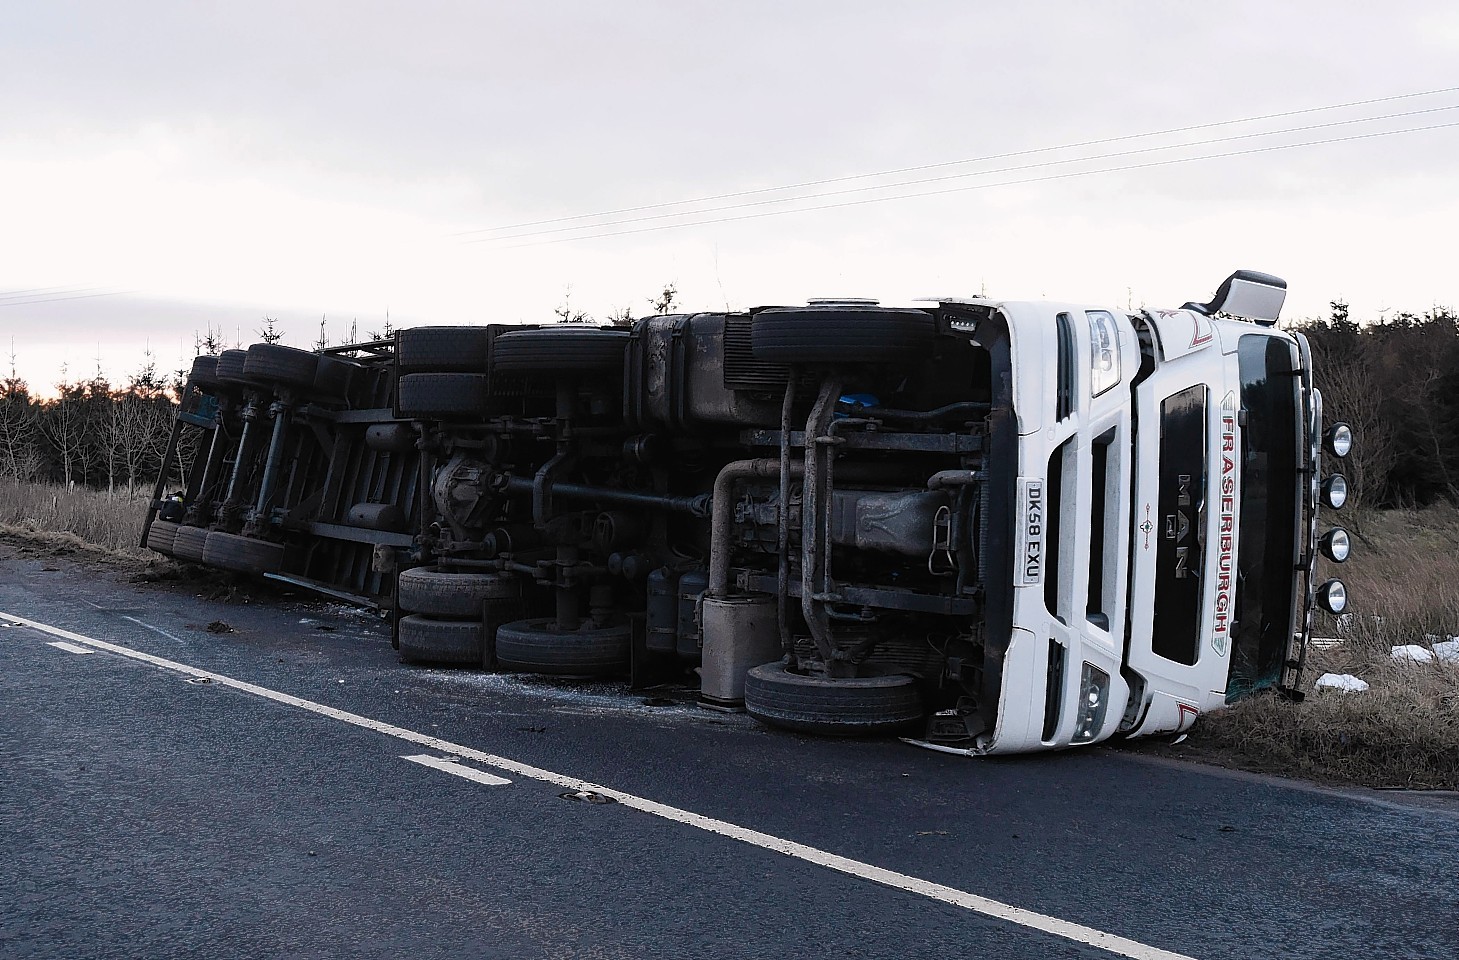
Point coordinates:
pixel 48 291
pixel 1002 183
pixel 961 176
pixel 952 163
pixel 86 296
pixel 7 294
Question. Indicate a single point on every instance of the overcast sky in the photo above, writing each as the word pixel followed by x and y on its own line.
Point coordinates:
pixel 166 167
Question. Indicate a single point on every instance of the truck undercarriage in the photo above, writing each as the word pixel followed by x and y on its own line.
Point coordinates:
pixel 803 506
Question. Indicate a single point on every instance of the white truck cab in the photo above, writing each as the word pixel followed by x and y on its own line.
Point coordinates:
pixel 1165 515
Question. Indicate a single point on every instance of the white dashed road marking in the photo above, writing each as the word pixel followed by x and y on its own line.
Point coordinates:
pixel 70 647
pixel 1066 929
pixel 451 766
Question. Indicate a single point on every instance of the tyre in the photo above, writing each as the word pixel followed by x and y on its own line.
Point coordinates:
pixel 851 707
pixel 423 640
pixel 276 363
pixel 204 374
pixel 439 593
pixel 161 535
pixel 559 349
pixel 188 543
pixel 229 551
pixel 442 396
pixel 229 368
pixel 538 646
pixel 442 349
pixel 841 334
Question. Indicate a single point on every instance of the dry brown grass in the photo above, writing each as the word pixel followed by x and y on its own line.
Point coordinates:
pixel 1403 581
pixel 75 520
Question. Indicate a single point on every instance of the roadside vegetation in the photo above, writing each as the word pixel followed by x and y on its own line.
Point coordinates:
pixel 1403 731
pixel 75 519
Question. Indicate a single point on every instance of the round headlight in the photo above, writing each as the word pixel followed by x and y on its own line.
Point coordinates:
pixel 1332 596
pixel 1336 545
pixel 1335 491
pixel 1339 439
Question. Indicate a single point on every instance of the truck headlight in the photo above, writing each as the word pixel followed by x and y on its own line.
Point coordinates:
pixel 1335 491
pixel 1093 702
pixel 1332 596
pixel 1339 439
pixel 1336 545
pixel 1104 351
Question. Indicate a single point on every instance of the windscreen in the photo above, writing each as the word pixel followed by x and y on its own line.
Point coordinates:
pixel 1267 549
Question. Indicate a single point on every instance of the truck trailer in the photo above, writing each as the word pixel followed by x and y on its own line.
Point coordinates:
pixel 987 526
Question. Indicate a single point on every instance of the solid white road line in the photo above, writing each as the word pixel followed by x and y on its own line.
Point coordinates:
pixel 1078 933
pixel 152 628
pixel 70 647
pixel 449 765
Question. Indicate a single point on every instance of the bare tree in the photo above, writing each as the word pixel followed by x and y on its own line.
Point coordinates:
pixel 19 459
pixel 62 424
pixel 566 312
pixel 666 299
pixel 209 343
pixel 384 333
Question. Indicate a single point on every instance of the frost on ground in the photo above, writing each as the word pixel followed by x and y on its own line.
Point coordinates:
pixel 1341 682
pixel 1412 653
pixel 675 703
pixel 1446 651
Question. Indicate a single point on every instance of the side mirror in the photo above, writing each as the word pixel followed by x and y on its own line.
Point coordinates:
pixel 1249 295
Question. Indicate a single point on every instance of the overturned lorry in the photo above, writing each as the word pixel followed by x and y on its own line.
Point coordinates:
pixel 990 526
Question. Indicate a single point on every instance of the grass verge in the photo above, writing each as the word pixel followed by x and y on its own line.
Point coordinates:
pixel 1401 733
pixel 75 520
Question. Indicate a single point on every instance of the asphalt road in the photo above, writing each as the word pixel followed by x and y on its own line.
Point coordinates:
pixel 271 812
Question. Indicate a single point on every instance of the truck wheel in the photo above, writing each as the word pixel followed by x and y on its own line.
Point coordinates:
pixel 539 646
pixel 850 707
pixel 559 349
pixel 188 543
pixel 161 535
pixel 204 374
pixel 423 640
pixel 841 334
pixel 439 593
pixel 229 551
pixel 230 367
pixel 276 363
pixel 442 349
pixel 442 396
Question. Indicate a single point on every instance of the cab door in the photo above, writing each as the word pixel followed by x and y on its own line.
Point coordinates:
pixel 1182 533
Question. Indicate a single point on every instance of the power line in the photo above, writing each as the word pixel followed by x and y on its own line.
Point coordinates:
pixel 87 296
pixel 952 163
pixel 6 294
pixel 975 173
pixel 985 186
pixel 49 291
